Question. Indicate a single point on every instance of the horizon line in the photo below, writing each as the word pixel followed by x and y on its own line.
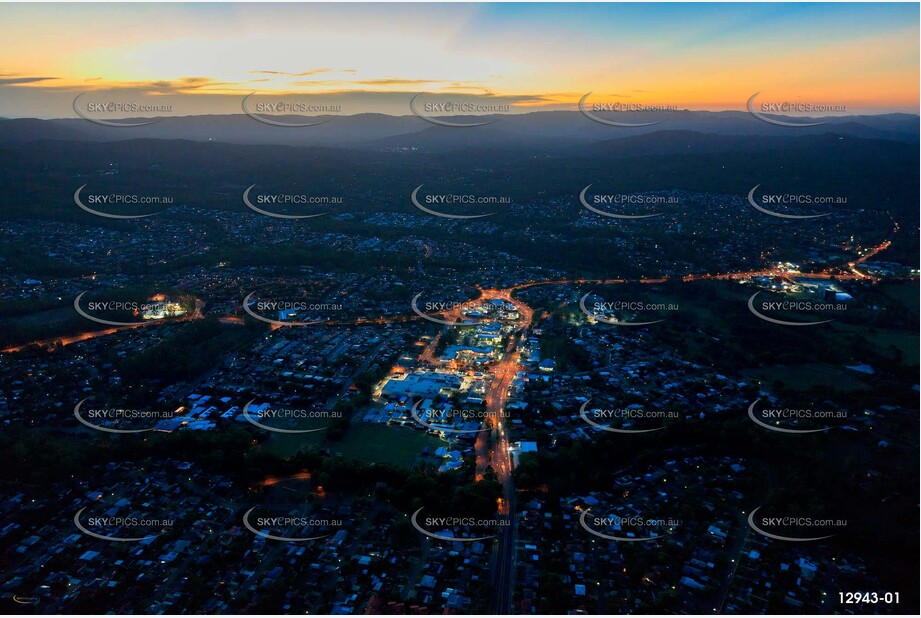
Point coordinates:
pixel 624 114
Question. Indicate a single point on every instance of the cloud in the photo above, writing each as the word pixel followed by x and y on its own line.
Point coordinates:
pixel 289 74
pixel 10 81
pixel 186 85
pixel 303 73
pixel 390 81
pixel 396 81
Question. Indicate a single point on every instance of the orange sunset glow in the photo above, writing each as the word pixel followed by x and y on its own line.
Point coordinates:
pixel 203 58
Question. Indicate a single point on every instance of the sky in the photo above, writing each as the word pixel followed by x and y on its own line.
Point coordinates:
pixel 204 58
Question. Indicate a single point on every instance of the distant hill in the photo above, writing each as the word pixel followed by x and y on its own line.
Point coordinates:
pixel 26 130
pixel 690 142
pixel 549 131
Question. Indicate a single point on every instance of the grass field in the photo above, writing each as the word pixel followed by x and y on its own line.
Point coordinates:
pixel 287 444
pixel 370 443
pixel 805 376
pixel 903 292
pixel 375 443
pixel 906 342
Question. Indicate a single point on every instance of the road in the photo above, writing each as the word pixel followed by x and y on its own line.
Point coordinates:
pixel 428 354
pixel 845 271
pixel 499 459
pixel 55 341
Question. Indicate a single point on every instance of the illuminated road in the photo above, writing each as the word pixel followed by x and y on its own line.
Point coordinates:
pixel 842 271
pixel 275 480
pixel 846 271
pixel 503 568
pixel 56 341
pixel 503 373
pixel 428 354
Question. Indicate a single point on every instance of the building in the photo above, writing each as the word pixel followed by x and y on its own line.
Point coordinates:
pixel 425 385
